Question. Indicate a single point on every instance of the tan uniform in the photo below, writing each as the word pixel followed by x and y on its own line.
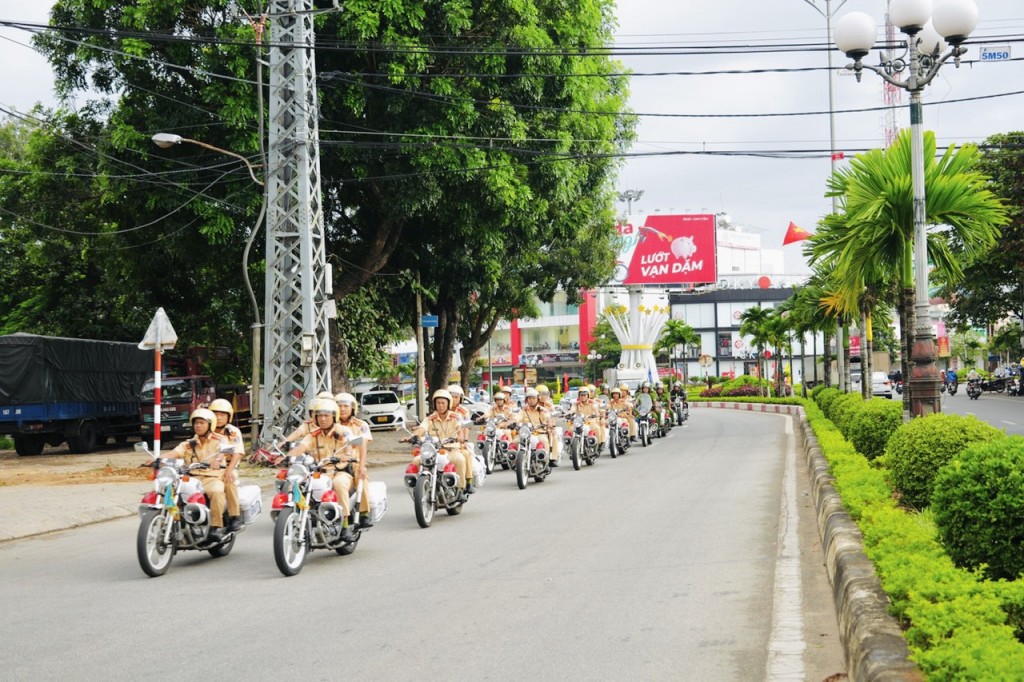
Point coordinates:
pixel 447 427
pixel 591 412
pixel 207 449
pixel 360 428
pixel 625 409
pixel 543 426
pixel 234 435
pixel 556 443
pixel 326 444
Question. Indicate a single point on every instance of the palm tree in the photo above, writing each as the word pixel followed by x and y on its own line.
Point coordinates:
pixel 811 315
pixel 752 322
pixel 874 231
pixel 677 333
pixel 776 332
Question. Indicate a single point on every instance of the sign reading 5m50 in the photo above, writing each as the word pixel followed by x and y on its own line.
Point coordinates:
pixel 995 54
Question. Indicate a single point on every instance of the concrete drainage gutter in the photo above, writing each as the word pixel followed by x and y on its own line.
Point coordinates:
pixel 873 642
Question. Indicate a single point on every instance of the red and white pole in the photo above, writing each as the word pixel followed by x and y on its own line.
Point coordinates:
pixel 157 375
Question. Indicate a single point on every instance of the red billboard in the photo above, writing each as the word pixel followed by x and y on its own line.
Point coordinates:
pixel 666 249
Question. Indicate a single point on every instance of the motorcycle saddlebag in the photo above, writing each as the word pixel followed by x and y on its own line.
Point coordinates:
pixel 479 470
pixel 378 492
pixel 250 503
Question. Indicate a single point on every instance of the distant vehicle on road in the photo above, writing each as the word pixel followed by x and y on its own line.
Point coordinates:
pixel 381 410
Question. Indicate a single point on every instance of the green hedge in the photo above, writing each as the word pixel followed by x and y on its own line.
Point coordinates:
pixel 825 398
pixel 842 410
pixel 979 507
pixel 921 447
pixel 958 625
pixel 872 425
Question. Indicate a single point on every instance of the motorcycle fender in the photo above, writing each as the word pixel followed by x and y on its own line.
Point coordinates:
pixel 143 508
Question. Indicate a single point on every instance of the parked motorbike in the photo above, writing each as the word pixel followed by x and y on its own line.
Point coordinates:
pixel 618 433
pixel 973 390
pixel 308 515
pixel 1013 387
pixel 434 484
pixel 530 457
pixel 175 515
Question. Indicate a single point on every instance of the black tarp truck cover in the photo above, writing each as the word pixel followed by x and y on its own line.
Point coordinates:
pixel 47 369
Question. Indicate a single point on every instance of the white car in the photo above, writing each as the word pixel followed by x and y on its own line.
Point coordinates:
pixel 381 410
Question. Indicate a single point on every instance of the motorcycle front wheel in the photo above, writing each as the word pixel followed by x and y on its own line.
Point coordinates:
pixel 613 445
pixel 489 458
pixel 574 453
pixel 522 468
pixel 291 543
pixel 424 502
pixel 154 556
pixel 643 436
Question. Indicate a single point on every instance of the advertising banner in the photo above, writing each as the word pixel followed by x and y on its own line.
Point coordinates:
pixel 666 249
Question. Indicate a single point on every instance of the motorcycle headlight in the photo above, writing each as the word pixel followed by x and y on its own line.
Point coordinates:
pixel 164 477
pixel 297 473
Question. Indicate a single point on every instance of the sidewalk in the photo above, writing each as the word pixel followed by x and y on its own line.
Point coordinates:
pixel 27 510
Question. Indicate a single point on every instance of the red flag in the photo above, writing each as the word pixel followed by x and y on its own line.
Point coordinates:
pixel 565 382
pixel 838 156
pixel 795 234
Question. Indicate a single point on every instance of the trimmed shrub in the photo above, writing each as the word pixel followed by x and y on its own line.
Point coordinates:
pixel 825 399
pixel 742 385
pixel 978 504
pixel 816 391
pixel 747 390
pixel 713 392
pixel 871 425
pixel 919 448
pixel 844 407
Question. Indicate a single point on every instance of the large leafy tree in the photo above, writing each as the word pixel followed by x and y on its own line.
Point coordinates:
pixel 994 287
pixel 453 134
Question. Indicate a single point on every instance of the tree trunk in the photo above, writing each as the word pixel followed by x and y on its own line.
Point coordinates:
pixel 443 346
pixel 826 354
pixel 339 360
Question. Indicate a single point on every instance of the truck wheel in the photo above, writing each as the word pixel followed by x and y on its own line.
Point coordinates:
pixel 85 441
pixel 30 444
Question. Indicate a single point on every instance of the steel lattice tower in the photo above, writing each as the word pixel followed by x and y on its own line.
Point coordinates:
pixel 891 95
pixel 296 350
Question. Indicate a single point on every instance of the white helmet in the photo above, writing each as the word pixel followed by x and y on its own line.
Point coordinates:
pixel 346 399
pixel 456 389
pixel 532 393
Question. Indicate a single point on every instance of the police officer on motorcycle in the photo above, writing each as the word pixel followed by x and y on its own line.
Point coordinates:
pixel 224 412
pixel 205 446
pixel 329 439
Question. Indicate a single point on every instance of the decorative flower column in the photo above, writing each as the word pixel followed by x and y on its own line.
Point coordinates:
pixel 637 328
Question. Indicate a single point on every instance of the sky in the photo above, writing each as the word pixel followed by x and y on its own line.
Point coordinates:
pixel 759 194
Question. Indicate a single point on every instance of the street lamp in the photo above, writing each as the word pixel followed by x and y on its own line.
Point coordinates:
pixel 168 140
pixel 594 358
pixel 629 196
pixel 855 33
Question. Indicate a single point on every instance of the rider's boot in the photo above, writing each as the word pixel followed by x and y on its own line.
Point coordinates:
pixel 346 534
pixel 234 523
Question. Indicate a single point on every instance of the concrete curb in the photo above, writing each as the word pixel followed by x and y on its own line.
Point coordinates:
pixel 873 642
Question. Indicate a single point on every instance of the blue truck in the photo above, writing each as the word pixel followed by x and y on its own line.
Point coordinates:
pixel 83 392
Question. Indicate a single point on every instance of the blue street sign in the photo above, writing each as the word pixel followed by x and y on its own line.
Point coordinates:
pixel 428 320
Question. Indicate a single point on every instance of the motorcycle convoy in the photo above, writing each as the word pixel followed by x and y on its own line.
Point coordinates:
pixel 323 498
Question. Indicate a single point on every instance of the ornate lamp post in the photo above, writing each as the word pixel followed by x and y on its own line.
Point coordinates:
pixel 926 52
pixel 594 358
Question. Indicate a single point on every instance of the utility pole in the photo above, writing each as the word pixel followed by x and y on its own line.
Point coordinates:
pixel 299 298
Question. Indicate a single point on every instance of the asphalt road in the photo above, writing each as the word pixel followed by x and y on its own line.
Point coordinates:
pixel 694 559
pixel 1000 410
